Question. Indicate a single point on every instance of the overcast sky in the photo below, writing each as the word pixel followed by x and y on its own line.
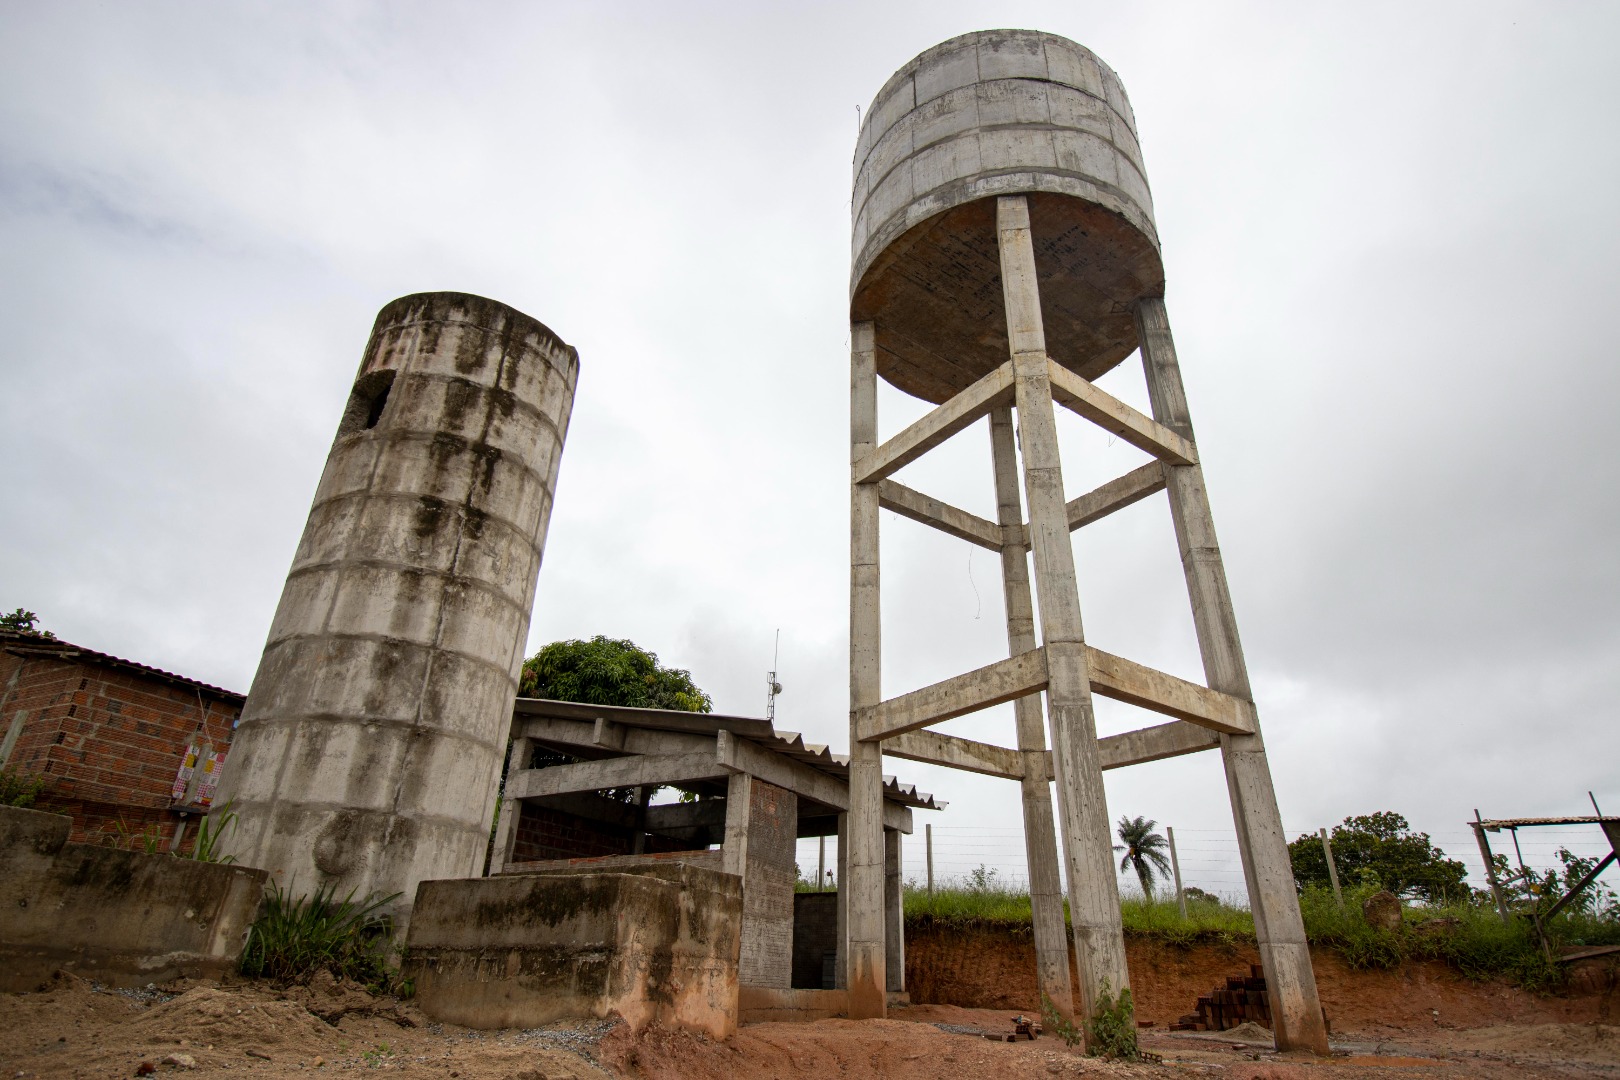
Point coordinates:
pixel 1390 234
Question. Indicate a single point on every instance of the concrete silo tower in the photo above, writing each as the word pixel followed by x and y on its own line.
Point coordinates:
pixel 1004 257
pixel 372 740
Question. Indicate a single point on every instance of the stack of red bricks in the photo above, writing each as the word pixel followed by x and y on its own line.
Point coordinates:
pixel 1241 1000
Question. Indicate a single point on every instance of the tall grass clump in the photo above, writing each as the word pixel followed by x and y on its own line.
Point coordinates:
pixel 979 900
pixel 295 938
pixel 1467 935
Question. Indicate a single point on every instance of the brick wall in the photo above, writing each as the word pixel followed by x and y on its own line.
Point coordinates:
pixel 815 936
pixel 107 738
pixel 545 833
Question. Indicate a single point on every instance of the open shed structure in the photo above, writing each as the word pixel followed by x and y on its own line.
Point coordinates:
pixel 579 787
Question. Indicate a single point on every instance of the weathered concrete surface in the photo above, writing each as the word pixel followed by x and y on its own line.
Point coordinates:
pixel 860 839
pixel 764 1005
pixel 522 950
pixel 1040 831
pixel 1099 936
pixel 762 828
pixel 122 917
pixel 371 742
pixel 1267 868
pixel 982 115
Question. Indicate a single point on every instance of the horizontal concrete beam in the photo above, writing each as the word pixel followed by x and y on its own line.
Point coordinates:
pixel 944 421
pixel 701 814
pixel 1151 744
pixel 604 735
pixel 1125 680
pixel 740 755
pixel 965 754
pixel 1117 494
pixel 1111 414
pixel 939 515
pixel 1005 680
pixel 648 719
pixel 638 770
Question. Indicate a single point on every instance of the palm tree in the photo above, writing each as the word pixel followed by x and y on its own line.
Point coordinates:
pixel 1144 850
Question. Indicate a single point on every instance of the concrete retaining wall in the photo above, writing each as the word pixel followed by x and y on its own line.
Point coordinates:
pixel 121 917
pixel 520 950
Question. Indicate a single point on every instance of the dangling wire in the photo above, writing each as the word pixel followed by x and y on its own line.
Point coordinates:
pixel 978 605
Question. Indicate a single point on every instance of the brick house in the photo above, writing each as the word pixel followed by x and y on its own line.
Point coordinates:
pixel 130 752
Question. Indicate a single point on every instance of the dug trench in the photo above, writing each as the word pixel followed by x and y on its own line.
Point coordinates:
pixel 1420 1021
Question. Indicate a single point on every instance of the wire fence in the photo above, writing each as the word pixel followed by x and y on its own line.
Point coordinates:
pixel 1208 858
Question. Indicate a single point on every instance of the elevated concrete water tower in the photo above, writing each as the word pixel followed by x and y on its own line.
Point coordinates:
pixel 372 740
pixel 1004 257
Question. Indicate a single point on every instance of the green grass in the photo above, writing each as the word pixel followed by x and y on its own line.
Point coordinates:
pixel 295 937
pixel 1470 938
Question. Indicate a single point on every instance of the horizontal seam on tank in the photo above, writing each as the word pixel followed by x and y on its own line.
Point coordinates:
pixel 417 496
pixel 435 376
pixel 896 225
pixel 1102 186
pixel 476 326
pixel 975 131
pixel 424 435
pixel 475 824
pixel 287 719
pixel 918 103
pixel 388 639
pixel 382 564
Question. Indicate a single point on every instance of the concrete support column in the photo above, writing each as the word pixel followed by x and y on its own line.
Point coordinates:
pixel 734 849
pixel 1099 939
pixel 894 913
pixel 841 967
pixel 1296 1009
pixel 1040 832
pixel 506 829
pixel 864 944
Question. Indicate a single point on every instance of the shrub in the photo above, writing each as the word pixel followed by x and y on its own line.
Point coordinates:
pixel 295 938
pixel 20 789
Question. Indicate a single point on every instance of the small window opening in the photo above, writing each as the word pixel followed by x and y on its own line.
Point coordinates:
pixel 366 402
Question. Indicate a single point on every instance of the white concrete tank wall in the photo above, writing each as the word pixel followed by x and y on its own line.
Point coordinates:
pixel 992 113
pixel 373 737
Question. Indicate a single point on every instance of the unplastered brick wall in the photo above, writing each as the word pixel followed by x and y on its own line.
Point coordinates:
pixel 546 833
pixel 768 879
pixel 108 738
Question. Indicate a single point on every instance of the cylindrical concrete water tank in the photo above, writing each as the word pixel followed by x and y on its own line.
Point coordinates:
pixel 999 112
pixel 372 741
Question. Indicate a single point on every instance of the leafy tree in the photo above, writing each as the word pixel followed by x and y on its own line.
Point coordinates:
pixel 1144 850
pixel 23 622
pixel 606 671
pixel 1381 848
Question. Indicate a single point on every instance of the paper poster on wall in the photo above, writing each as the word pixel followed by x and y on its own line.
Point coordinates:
pixel 182 779
pixel 210 781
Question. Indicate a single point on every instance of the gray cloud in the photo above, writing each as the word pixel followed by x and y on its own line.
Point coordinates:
pixel 1391 242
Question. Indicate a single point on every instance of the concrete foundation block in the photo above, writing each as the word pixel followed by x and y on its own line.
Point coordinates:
pixel 657 944
pixel 121 917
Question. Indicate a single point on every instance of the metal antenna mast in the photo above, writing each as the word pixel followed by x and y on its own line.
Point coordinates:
pixel 772 687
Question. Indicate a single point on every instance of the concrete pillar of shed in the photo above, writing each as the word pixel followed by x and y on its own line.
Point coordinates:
pixel 1267 867
pixel 841 966
pixel 371 743
pixel 894 913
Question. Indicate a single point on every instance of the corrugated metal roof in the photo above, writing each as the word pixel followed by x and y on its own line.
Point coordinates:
pixel 787 743
pixel 1528 822
pixel 37 645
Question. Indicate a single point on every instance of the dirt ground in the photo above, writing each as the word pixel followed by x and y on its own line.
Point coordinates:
pixel 71 1028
